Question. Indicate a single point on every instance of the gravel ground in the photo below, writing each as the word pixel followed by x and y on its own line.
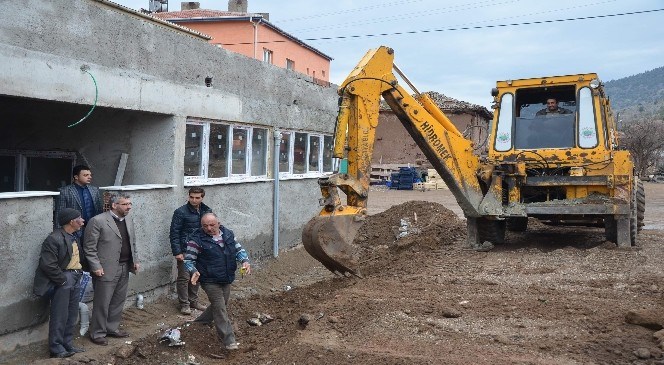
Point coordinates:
pixel 550 295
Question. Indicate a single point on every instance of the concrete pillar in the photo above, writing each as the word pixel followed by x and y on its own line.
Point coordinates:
pixel 238 6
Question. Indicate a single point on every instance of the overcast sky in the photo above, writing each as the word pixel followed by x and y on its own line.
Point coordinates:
pixel 465 64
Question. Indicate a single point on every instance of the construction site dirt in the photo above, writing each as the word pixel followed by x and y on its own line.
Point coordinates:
pixel 550 295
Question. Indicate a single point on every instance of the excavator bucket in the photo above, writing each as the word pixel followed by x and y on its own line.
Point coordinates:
pixel 329 239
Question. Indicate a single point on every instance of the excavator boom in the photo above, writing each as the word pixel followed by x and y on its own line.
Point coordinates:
pixel 329 236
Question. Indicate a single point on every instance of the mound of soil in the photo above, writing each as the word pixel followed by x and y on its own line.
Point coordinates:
pixel 409 227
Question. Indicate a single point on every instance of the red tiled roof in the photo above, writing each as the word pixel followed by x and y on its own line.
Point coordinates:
pixel 202 14
pixel 197 13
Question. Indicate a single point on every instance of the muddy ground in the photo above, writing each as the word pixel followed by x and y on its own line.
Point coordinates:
pixel 551 295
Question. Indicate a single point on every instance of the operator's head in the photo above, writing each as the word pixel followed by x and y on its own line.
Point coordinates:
pixel 210 224
pixel 552 104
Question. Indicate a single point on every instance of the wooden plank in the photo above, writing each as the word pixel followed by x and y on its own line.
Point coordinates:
pixel 119 175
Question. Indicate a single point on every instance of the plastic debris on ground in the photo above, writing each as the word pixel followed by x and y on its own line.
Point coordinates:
pixel 172 335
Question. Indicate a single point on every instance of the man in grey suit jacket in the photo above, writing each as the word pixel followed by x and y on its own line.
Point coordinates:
pixel 110 248
pixel 80 195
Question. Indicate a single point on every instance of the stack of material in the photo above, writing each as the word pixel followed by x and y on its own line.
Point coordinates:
pixel 404 179
pixel 434 181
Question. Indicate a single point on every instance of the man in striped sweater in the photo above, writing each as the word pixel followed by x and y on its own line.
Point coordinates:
pixel 211 257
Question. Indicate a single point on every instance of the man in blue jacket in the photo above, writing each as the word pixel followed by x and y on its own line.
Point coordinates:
pixel 211 258
pixel 187 219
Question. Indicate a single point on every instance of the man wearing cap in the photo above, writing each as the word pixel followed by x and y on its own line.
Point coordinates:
pixel 110 247
pixel 58 278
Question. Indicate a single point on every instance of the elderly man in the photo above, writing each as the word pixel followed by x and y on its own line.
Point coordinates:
pixel 110 247
pixel 58 278
pixel 552 108
pixel 211 258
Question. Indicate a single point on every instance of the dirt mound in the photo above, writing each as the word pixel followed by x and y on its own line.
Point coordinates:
pixel 411 226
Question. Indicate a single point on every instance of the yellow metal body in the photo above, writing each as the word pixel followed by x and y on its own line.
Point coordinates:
pixel 588 183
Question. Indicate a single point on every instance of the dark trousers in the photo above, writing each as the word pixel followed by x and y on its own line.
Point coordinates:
pixel 108 302
pixel 64 313
pixel 187 293
pixel 216 311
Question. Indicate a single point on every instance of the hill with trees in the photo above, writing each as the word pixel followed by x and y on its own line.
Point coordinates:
pixel 640 101
pixel 640 93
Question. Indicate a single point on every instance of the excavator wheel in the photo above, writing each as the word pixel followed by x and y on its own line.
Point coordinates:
pixel 491 230
pixel 517 224
pixel 329 239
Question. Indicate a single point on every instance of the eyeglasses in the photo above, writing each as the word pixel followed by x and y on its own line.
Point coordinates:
pixel 124 204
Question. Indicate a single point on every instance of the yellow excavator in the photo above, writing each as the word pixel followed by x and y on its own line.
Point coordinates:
pixel 562 166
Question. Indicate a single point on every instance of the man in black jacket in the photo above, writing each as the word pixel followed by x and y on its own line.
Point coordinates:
pixel 58 279
pixel 186 219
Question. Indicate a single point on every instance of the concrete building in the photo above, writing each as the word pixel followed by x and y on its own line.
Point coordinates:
pixel 252 35
pixel 153 108
pixel 395 147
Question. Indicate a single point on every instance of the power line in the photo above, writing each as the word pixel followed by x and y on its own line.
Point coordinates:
pixel 416 15
pixel 452 29
pixel 371 7
pixel 442 11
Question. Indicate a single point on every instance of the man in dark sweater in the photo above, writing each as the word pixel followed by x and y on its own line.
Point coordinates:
pixel 110 247
pixel 186 219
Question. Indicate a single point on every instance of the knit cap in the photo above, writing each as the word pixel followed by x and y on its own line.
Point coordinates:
pixel 66 215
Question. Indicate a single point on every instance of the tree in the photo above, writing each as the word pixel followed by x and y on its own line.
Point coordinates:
pixel 643 136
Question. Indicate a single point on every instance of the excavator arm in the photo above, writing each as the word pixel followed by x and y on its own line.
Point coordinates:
pixel 329 236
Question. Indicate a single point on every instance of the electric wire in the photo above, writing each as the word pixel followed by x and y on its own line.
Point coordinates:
pixel 414 15
pixel 93 104
pixel 491 26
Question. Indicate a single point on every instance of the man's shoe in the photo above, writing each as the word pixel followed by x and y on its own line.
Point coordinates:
pixel 198 306
pixel 185 309
pixel 233 346
pixel 102 341
pixel 62 355
pixel 75 350
pixel 118 334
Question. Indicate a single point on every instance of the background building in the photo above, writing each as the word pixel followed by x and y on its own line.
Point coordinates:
pixel 252 35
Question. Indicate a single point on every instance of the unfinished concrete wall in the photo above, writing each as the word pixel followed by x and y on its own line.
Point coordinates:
pixel 148 79
pixel 24 222
pixel 141 65
pixel 99 141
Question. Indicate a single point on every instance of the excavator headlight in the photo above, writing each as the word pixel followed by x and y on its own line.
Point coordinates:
pixel 594 83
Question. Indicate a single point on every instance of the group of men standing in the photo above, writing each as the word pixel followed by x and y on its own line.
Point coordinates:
pixel 104 243
pixel 107 250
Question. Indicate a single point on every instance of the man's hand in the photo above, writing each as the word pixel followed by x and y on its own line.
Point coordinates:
pixel 246 268
pixel 179 257
pixel 194 277
pixel 99 272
